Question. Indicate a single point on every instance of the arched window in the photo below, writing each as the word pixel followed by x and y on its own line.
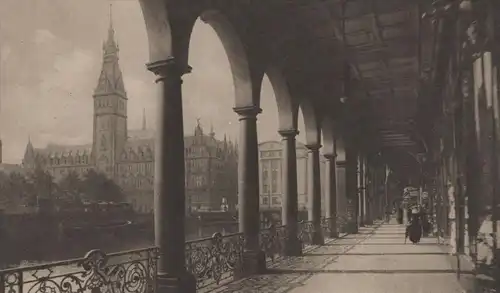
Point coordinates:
pixel 274 176
pixel 265 178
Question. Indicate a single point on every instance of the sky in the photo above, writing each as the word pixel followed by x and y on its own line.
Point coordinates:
pixel 51 52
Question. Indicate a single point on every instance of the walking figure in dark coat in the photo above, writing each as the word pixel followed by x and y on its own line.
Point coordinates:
pixel 414 228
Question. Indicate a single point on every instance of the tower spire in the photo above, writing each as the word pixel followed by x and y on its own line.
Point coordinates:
pixel 110 46
pixel 111 30
pixel 143 118
pixel 212 132
pixel 110 80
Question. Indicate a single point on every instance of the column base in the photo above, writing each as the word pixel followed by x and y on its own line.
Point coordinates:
pixel 352 228
pixel 253 263
pixel 333 234
pixel 317 238
pixel 186 283
pixel 293 247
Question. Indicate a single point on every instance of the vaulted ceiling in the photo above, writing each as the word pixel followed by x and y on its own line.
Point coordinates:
pixel 389 46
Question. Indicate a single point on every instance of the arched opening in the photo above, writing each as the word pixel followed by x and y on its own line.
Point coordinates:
pixel 219 77
pixel 302 166
pixel 270 150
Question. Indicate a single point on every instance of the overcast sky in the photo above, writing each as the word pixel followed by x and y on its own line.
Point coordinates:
pixel 51 53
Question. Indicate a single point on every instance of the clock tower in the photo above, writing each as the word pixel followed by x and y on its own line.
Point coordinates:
pixel 110 109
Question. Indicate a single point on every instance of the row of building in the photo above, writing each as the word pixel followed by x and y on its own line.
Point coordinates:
pixel 127 156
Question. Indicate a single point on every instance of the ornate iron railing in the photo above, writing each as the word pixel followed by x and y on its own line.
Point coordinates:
pixel 325 226
pixel 215 259
pixel 306 230
pixel 272 241
pixel 131 271
pixel 212 261
pixel 342 221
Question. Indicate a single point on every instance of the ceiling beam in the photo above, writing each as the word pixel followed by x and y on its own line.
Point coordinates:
pixel 374 84
pixel 395 136
pixel 339 35
pixel 397 142
pixel 396 139
pixel 358 8
pixel 400 47
pixel 399 145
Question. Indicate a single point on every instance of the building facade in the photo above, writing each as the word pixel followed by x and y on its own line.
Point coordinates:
pixel 271 177
pixel 127 156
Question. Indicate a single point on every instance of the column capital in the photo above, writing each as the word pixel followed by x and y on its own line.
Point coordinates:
pixel 330 157
pixel 168 68
pixel 288 133
pixel 342 163
pixel 313 147
pixel 247 112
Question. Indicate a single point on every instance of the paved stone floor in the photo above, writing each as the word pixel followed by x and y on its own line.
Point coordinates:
pixel 374 261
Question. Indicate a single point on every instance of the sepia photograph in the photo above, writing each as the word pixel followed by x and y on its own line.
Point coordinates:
pixel 246 146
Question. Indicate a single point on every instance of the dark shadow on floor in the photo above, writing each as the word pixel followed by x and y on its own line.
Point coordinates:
pixel 384 244
pixel 376 237
pixel 320 271
pixel 390 233
pixel 375 254
pixel 306 266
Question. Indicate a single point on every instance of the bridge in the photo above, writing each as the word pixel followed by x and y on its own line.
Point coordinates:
pixel 395 92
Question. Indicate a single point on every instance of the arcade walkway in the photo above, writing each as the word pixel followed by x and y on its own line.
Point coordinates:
pixel 376 260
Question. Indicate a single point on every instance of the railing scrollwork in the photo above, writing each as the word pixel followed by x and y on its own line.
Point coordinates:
pixel 325 226
pixel 306 231
pixel 124 272
pixel 272 241
pixel 214 259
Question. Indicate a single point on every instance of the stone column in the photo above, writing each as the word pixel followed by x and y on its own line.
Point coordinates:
pixel 290 204
pixel 405 214
pixel 341 193
pixel 169 180
pixel 248 190
pixel 331 194
pixel 369 192
pixel 361 191
pixel 314 193
pixel 351 187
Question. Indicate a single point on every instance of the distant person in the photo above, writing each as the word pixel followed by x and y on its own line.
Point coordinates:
pixel 400 215
pixel 426 223
pixel 414 228
pixel 388 213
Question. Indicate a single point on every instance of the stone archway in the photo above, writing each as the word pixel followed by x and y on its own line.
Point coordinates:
pixel 247 82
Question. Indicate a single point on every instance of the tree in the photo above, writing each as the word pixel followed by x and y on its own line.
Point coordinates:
pixel 4 189
pixel 98 187
pixel 15 190
pixel 70 188
pixel 44 188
